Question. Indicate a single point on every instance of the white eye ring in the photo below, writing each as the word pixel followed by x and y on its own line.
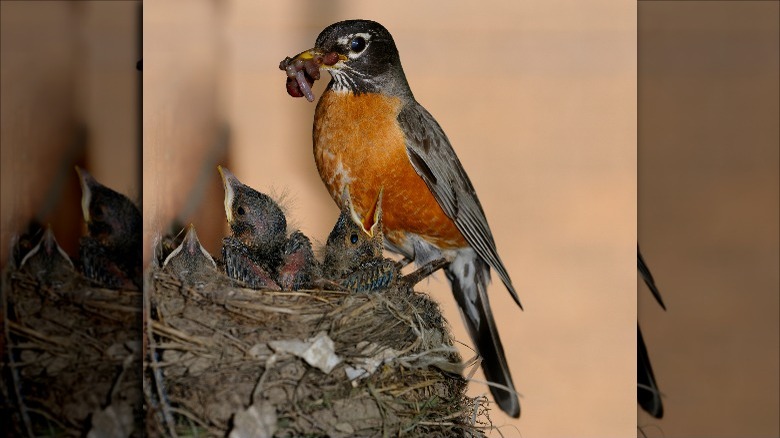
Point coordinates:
pixel 348 40
pixel 358 44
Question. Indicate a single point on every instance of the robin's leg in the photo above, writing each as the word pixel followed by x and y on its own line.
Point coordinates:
pixel 403 262
pixel 424 271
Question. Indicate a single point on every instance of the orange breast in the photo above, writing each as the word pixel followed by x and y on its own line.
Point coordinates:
pixel 357 141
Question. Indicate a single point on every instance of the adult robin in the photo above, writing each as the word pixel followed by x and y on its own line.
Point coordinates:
pixel 110 253
pixel 648 394
pixel 370 133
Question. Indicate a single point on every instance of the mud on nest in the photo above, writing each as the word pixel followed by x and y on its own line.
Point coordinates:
pixel 228 361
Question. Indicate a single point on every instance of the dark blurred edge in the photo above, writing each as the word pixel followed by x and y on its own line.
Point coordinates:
pixel 140 101
pixel 59 193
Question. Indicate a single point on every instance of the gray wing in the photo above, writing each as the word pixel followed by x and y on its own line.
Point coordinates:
pixel 435 161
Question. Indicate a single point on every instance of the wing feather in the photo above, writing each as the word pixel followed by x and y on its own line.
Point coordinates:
pixel 435 161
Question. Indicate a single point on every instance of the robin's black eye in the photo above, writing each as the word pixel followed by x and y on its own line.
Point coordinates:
pixel 357 44
pixel 241 211
pixel 353 238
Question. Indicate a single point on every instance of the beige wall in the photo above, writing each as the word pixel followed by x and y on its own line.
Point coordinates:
pixel 709 148
pixel 539 100
pixel 182 119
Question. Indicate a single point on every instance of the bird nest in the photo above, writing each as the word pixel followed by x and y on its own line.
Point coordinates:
pixel 72 358
pixel 229 361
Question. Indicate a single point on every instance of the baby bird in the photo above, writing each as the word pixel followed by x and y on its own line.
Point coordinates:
pixel 24 243
pixel 353 253
pixel 110 253
pixel 48 263
pixel 253 251
pixel 191 262
pixel 299 268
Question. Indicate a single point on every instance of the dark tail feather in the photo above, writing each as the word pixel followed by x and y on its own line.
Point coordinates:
pixel 648 395
pixel 469 285
pixel 648 278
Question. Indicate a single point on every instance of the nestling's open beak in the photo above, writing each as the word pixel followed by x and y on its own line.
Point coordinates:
pixel 49 245
pixel 228 180
pixel 86 180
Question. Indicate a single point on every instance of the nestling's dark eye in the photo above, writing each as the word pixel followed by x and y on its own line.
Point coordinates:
pixel 358 44
pixel 96 214
pixel 353 238
pixel 241 210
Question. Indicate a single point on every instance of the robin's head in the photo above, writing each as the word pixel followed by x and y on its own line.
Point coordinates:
pixel 254 218
pixel 111 217
pixel 361 57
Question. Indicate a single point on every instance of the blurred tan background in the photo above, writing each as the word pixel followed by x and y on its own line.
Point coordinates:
pixel 709 194
pixel 539 100
pixel 70 96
